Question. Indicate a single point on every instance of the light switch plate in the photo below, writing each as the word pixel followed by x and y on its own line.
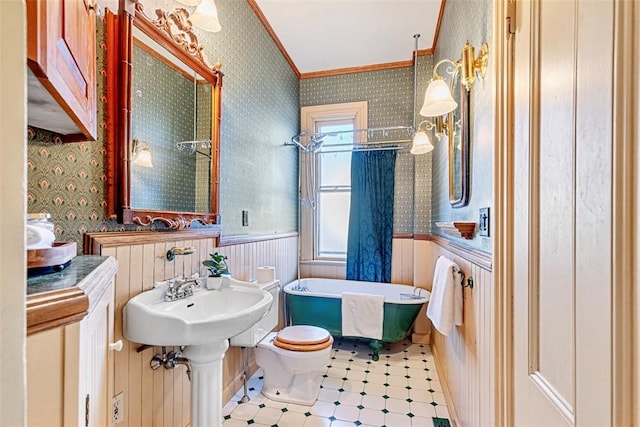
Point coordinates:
pixel 484 222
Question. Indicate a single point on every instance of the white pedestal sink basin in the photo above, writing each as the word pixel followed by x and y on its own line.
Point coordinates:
pixel 203 322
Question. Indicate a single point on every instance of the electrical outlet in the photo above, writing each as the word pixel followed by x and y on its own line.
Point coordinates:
pixel 245 218
pixel 117 408
pixel 484 222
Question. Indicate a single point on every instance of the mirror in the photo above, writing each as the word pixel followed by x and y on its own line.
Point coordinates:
pixel 164 123
pixel 171 112
pixel 458 130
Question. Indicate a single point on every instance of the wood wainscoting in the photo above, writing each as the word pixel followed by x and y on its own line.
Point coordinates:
pixel 422 278
pixel 401 263
pixel 161 398
pixel 466 358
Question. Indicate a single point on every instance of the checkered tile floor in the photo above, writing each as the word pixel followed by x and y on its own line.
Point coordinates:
pixel 402 389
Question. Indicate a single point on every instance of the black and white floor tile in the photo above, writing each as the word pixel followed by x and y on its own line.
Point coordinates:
pixel 402 389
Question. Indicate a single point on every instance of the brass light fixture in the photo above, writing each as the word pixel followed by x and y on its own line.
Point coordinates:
pixel 421 142
pixel 205 16
pixel 438 99
pixel 140 153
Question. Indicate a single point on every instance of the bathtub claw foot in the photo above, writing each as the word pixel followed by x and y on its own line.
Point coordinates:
pixel 375 345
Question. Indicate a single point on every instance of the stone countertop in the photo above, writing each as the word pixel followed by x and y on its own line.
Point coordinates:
pixel 70 276
pixel 67 296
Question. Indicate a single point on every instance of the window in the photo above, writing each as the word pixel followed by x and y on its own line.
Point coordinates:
pixel 326 180
pixel 334 190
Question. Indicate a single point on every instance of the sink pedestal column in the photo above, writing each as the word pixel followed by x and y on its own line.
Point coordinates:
pixel 206 383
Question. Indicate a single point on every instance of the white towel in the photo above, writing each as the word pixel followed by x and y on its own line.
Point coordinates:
pixel 39 237
pixel 362 315
pixel 445 305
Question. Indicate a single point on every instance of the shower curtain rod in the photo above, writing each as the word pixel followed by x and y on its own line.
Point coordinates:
pixel 399 144
pixel 316 140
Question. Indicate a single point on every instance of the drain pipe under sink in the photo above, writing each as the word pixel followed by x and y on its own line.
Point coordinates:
pixel 245 371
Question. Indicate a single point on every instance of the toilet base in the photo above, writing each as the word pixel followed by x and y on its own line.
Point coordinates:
pixel 291 376
pixel 306 390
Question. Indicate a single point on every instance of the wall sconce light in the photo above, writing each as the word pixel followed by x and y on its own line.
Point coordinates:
pixel 205 16
pixel 140 153
pixel 421 142
pixel 438 99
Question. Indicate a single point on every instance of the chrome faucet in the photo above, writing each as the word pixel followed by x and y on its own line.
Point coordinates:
pixel 180 288
pixel 186 289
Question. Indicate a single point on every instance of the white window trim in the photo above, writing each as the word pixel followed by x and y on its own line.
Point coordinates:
pixel 356 111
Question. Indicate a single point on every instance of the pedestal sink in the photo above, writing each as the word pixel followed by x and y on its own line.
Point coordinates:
pixel 203 322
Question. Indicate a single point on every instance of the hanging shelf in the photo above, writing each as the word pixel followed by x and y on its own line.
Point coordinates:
pixel 464 229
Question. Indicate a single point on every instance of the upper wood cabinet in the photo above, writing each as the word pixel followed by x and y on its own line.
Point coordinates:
pixel 61 53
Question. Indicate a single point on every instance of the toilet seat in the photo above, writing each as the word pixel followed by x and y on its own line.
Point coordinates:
pixel 303 338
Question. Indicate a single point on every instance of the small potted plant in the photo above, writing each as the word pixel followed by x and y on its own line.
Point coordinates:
pixel 217 266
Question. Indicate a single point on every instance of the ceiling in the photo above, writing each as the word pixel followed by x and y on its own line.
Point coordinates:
pixel 323 37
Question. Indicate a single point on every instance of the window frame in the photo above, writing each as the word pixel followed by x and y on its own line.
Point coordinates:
pixel 310 118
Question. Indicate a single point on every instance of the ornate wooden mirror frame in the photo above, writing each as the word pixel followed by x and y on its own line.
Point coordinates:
pixel 172 30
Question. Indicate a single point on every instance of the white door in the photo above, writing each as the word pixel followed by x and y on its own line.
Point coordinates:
pixel 564 213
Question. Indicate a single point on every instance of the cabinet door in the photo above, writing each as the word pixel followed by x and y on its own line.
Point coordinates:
pixel 96 385
pixel 61 53
pixel 45 375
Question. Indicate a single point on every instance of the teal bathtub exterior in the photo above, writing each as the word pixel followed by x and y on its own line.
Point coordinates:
pixel 307 306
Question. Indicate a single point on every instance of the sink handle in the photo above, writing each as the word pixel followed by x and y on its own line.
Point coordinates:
pixel 156 362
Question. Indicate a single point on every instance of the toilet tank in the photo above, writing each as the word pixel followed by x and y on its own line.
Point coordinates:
pixel 252 336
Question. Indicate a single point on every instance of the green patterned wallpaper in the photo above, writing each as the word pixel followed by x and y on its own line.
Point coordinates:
pixel 467 20
pixel 390 101
pixel 260 111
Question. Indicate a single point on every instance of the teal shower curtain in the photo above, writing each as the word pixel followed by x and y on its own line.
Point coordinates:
pixel 371 216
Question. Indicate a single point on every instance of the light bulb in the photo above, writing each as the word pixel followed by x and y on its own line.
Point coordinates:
pixel 437 99
pixel 421 143
pixel 143 158
pixel 205 17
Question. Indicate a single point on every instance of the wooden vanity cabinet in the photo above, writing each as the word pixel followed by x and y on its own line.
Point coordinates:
pixel 70 370
pixel 61 54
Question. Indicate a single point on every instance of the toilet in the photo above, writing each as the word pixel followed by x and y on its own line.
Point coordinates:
pixel 292 359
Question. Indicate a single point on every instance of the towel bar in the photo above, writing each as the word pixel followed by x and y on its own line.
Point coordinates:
pixel 461 273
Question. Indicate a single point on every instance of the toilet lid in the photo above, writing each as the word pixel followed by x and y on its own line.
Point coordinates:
pixel 303 338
